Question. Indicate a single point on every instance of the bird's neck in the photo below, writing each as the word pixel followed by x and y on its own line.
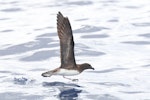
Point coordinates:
pixel 81 68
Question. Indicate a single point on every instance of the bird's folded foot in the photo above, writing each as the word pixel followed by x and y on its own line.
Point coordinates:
pixel 74 80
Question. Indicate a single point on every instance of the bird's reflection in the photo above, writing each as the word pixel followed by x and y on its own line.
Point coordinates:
pixel 69 94
pixel 68 91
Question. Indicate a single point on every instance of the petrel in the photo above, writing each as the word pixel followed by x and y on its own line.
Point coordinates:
pixel 68 65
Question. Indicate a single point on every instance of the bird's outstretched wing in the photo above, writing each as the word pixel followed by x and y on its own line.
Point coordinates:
pixel 66 41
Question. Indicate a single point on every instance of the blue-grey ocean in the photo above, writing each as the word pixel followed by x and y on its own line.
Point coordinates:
pixel 112 35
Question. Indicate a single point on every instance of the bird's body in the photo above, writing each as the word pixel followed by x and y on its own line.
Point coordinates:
pixel 68 65
pixel 66 72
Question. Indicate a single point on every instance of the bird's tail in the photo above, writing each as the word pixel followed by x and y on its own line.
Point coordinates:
pixel 47 74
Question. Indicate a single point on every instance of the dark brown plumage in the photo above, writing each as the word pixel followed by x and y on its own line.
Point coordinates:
pixel 66 42
pixel 68 64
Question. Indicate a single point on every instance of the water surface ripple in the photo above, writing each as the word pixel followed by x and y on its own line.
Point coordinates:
pixel 112 35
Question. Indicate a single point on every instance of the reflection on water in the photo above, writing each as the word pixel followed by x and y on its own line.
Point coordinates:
pixel 79 3
pixel 19 96
pixel 102 97
pixel 146 24
pixel 147 35
pixel 89 29
pixel 109 70
pixel 68 91
pixel 23 81
pixel 11 10
pixel 40 55
pixel 112 84
pixel 132 92
pixel 25 47
pixel 69 94
pixel 8 30
pixel 138 42
pixel 47 84
pixel 95 36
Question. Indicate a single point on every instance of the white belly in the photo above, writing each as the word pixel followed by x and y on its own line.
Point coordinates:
pixel 66 72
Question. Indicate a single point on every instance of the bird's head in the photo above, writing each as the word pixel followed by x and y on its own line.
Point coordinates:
pixel 85 66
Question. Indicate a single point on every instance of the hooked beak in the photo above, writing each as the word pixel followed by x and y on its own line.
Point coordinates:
pixel 92 68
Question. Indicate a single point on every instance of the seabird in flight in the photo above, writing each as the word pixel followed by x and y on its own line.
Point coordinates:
pixel 68 65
